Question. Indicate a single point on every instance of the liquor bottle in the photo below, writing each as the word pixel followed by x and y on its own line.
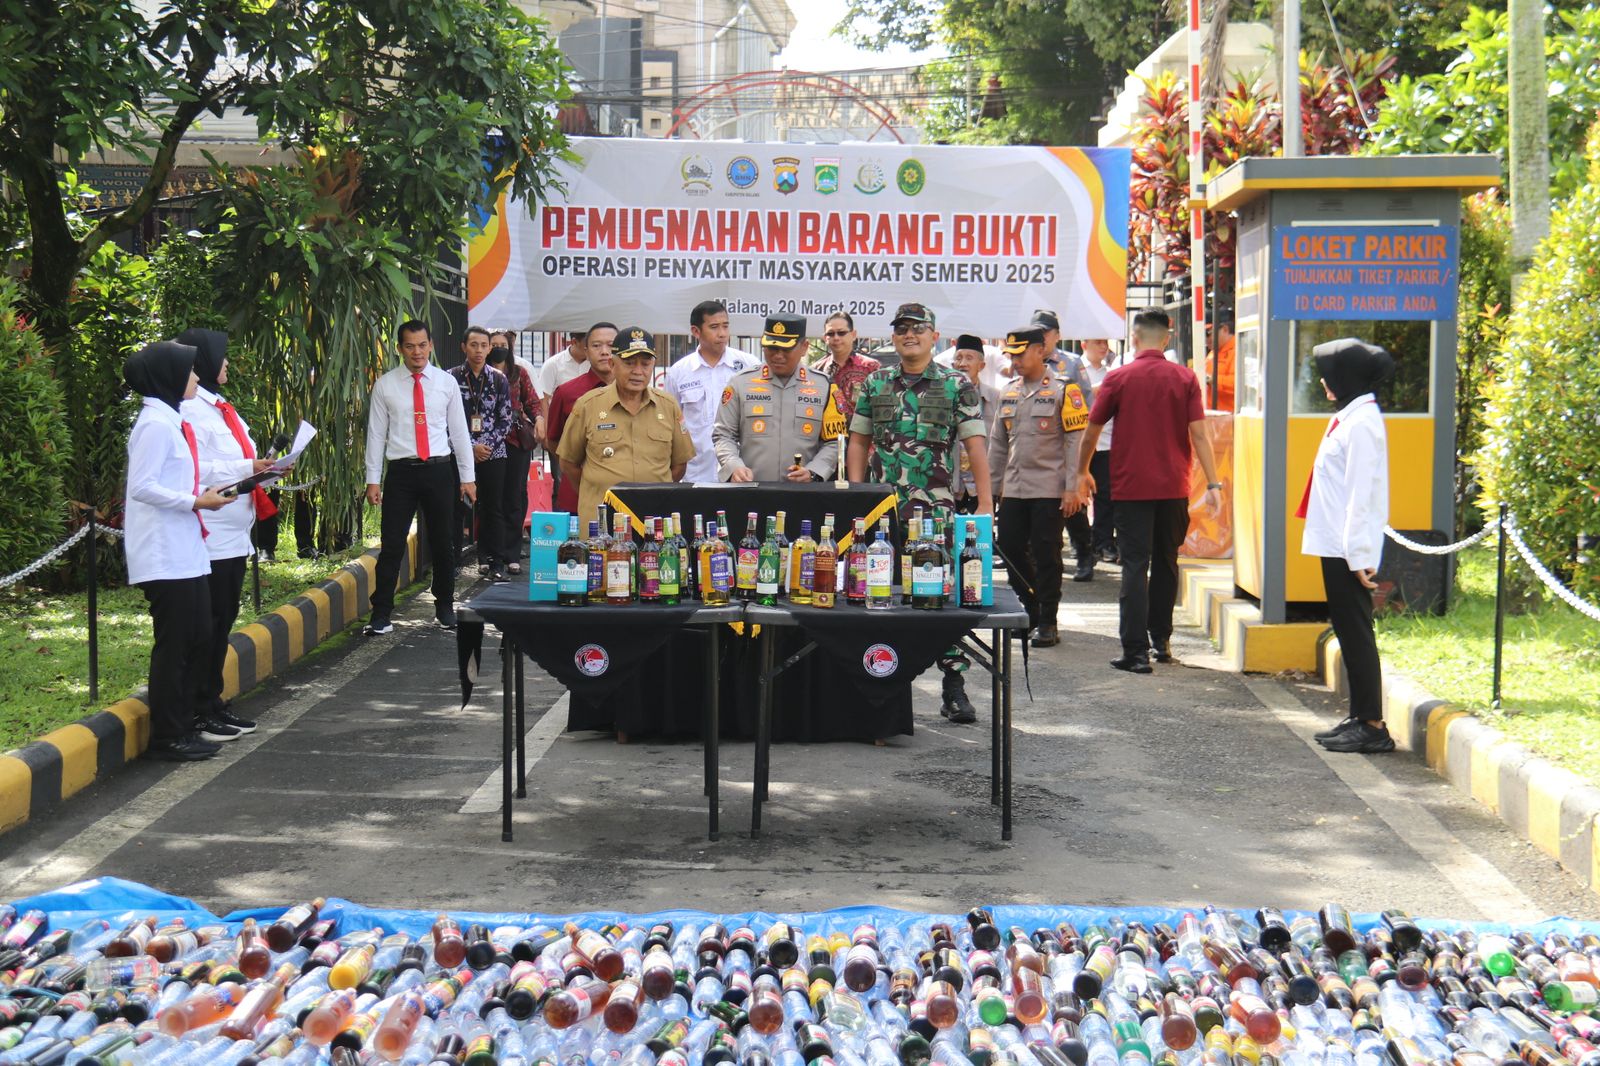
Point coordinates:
pixel 284 933
pixel 650 562
pixel 972 579
pixel 880 570
pixel 697 583
pixel 252 951
pixel 855 566
pixel 827 565
pixel 767 565
pixel 126 944
pixel 803 565
pixel 748 561
pixel 572 568
pixel 619 566
pixel 716 569
pixel 940 538
pixel 907 551
pixel 597 563
pixel 927 573
pixel 577 1002
pixel 449 946
pixel 603 959
pixel 784 550
pixel 671 563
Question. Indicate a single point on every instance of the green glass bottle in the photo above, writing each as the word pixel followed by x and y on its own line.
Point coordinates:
pixel 671 564
pixel 769 560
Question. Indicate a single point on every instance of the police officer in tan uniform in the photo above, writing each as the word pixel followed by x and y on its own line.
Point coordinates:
pixel 776 411
pixel 1033 454
pixel 624 431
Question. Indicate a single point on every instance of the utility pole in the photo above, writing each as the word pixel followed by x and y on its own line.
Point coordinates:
pixel 1530 137
pixel 1293 136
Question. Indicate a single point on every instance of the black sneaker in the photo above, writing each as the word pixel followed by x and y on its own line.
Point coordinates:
pixel 1343 727
pixel 189 748
pixel 446 617
pixel 1133 664
pixel 378 627
pixel 217 732
pixel 1364 739
pixel 1161 652
pixel 228 718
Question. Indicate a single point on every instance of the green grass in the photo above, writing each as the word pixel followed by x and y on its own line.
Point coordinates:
pixel 1551 676
pixel 44 652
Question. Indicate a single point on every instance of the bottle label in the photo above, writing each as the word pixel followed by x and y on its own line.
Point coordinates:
pixel 808 571
pixel 572 576
pixel 619 578
pixel 855 575
pixel 783 566
pixel 597 571
pixel 972 583
pixel 669 574
pixel 749 562
pixel 905 571
pixel 767 577
pixel 719 572
pixel 927 580
pixel 880 575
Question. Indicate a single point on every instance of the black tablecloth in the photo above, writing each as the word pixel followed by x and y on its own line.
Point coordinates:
pixel 798 501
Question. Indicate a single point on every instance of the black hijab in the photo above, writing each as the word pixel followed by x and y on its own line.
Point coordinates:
pixel 160 371
pixel 212 348
pixel 1352 368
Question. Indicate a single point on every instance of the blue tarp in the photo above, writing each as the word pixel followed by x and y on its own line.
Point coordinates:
pixel 116 900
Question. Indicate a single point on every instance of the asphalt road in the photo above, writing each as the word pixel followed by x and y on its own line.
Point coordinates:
pixel 1193 785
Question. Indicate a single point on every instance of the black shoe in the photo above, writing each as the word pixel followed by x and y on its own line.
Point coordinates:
pixel 228 718
pixel 188 748
pixel 1339 730
pixel 1085 570
pixel 1161 652
pixel 956 706
pixel 1046 636
pixel 217 732
pixel 446 617
pixel 514 568
pixel 498 575
pixel 1133 664
pixel 378 627
pixel 1363 739
pixel 1109 555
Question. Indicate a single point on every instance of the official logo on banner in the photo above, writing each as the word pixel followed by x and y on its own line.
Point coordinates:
pixel 880 660
pixel 826 175
pixel 696 173
pixel 911 177
pixel 870 179
pixel 786 174
pixel 591 660
pixel 743 172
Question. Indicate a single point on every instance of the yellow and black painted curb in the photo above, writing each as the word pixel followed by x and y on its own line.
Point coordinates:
pixel 42 774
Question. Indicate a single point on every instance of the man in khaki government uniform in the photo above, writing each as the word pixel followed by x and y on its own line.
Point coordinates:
pixel 625 431
pixel 776 411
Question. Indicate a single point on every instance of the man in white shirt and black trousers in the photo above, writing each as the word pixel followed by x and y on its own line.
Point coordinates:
pixel 417 422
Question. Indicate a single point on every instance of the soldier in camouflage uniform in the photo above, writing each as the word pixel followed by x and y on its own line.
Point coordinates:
pixel 908 423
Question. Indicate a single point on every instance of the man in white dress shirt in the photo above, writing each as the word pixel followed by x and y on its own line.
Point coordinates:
pixel 417 423
pixel 563 366
pixel 696 381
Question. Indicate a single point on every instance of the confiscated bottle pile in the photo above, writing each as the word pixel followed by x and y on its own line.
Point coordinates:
pixel 1219 989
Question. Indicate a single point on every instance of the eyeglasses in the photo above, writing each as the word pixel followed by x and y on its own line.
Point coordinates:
pixel 903 328
pixel 838 332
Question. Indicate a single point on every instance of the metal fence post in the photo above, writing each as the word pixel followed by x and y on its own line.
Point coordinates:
pixel 94 614
pixel 1500 607
pixel 255 577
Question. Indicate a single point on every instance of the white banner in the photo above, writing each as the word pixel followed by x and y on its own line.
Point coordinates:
pixel 983 236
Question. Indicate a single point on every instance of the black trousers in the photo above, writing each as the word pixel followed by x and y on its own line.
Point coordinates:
pixel 515 501
pixel 1028 533
pixel 410 487
pixel 486 519
pixel 180 610
pixel 1105 533
pixel 224 586
pixel 1350 611
pixel 1149 534
pixel 1081 536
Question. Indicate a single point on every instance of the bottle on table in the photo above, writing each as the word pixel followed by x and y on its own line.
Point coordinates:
pixel 784 549
pixel 671 562
pixel 597 563
pixel 748 561
pixel 972 575
pixel 697 583
pixel 572 568
pixel 907 551
pixel 650 562
pixel 941 537
pixel 619 565
pixel 826 568
pixel 716 569
pixel 803 565
pixel 927 571
pixel 767 566
pixel 880 570
pixel 855 566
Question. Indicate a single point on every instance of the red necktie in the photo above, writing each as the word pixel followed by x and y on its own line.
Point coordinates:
pixel 265 508
pixel 419 415
pixel 194 456
pixel 1305 500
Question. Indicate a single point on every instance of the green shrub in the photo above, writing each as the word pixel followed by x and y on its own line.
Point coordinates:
pixel 35 451
pixel 1541 437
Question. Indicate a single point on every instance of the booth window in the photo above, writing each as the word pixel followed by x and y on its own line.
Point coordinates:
pixel 1409 392
pixel 1247 370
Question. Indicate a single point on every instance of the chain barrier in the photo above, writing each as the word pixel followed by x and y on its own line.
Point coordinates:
pixel 296 488
pixel 1553 583
pixel 1441 549
pixel 46 559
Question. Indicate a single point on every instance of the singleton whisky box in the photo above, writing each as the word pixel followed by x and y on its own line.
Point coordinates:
pixel 983 525
pixel 545 533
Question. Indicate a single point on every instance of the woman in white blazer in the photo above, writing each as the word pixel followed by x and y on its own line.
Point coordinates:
pixel 1346 508
pixel 165 543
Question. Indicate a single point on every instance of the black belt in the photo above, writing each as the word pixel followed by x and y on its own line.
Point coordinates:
pixel 421 462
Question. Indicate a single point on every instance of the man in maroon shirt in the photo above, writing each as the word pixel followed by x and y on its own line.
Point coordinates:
pixel 1160 417
pixel 599 339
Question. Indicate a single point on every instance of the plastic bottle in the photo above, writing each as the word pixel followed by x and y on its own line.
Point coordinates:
pixel 880 570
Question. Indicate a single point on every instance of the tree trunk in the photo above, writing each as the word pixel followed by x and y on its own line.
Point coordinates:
pixel 53 254
pixel 1530 137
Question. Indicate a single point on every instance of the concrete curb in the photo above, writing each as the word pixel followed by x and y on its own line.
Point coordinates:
pixel 42 774
pixel 1551 808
